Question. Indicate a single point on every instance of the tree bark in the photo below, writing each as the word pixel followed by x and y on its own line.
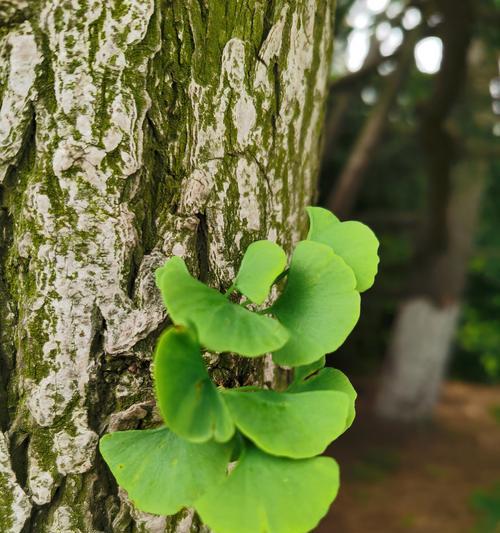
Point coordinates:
pixel 131 131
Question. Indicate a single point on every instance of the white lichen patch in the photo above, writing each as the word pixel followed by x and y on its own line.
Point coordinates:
pixel 198 187
pixel 248 178
pixel 247 97
pixel 144 521
pixel 184 525
pixel 41 481
pixel 15 506
pixel 84 246
pixel 243 112
pixel 62 521
pixel 237 164
pixel 21 62
pixel 75 451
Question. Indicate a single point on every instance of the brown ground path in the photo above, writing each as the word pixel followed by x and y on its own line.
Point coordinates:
pixel 399 479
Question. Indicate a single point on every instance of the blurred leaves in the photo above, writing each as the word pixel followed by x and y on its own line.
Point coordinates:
pixel 478 350
pixel 487 504
pixel 393 200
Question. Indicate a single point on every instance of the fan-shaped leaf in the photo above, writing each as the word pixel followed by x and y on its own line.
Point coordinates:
pixel 271 494
pixel 262 263
pixel 161 472
pixel 291 425
pixel 189 402
pixel 319 306
pixel 329 379
pixel 353 241
pixel 222 325
pixel 302 372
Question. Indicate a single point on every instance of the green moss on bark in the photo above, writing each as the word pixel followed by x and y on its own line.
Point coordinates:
pixel 196 119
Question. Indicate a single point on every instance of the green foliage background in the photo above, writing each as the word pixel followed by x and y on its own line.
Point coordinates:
pixel 393 202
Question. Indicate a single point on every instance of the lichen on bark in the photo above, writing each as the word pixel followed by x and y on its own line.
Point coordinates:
pixel 131 131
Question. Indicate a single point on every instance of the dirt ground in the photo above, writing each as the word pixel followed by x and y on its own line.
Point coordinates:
pixel 440 477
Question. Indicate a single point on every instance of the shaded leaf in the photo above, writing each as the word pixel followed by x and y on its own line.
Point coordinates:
pixel 189 402
pixel 319 306
pixel 262 263
pixel 353 241
pixel 222 325
pixel 291 425
pixel 271 494
pixel 329 379
pixel 161 472
pixel 302 372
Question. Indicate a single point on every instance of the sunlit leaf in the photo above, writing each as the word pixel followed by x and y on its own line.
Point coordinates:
pixel 267 494
pixel 262 263
pixel 161 472
pixel 291 425
pixel 329 379
pixel 319 306
pixel 189 402
pixel 353 241
pixel 222 325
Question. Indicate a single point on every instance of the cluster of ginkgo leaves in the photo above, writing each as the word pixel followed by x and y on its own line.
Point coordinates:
pixel 278 485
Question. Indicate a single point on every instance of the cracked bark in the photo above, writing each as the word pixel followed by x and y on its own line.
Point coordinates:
pixel 131 131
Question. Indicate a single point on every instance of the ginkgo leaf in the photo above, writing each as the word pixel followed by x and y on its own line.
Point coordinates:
pixel 291 425
pixel 267 494
pixel 319 305
pixel 302 372
pixel 353 241
pixel 189 402
pixel 222 326
pixel 329 379
pixel 161 472
pixel 262 263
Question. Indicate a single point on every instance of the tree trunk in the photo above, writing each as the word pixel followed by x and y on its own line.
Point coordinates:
pixel 342 196
pixel 426 322
pixel 131 131
pixel 424 330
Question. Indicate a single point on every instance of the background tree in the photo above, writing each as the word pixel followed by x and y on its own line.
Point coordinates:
pixel 411 153
pixel 426 322
pixel 131 131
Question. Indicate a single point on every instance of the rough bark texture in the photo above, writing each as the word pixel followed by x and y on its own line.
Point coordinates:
pixel 131 130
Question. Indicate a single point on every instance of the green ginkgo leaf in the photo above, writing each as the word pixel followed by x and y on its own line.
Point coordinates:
pixel 319 306
pixel 352 240
pixel 329 379
pixel 189 402
pixel 262 263
pixel 302 372
pixel 222 326
pixel 161 472
pixel 266 494
pixel 290 425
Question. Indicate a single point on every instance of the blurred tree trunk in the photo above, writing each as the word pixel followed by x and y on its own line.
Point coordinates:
pixel 343 195
pixel 130 131
pixel 425 325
